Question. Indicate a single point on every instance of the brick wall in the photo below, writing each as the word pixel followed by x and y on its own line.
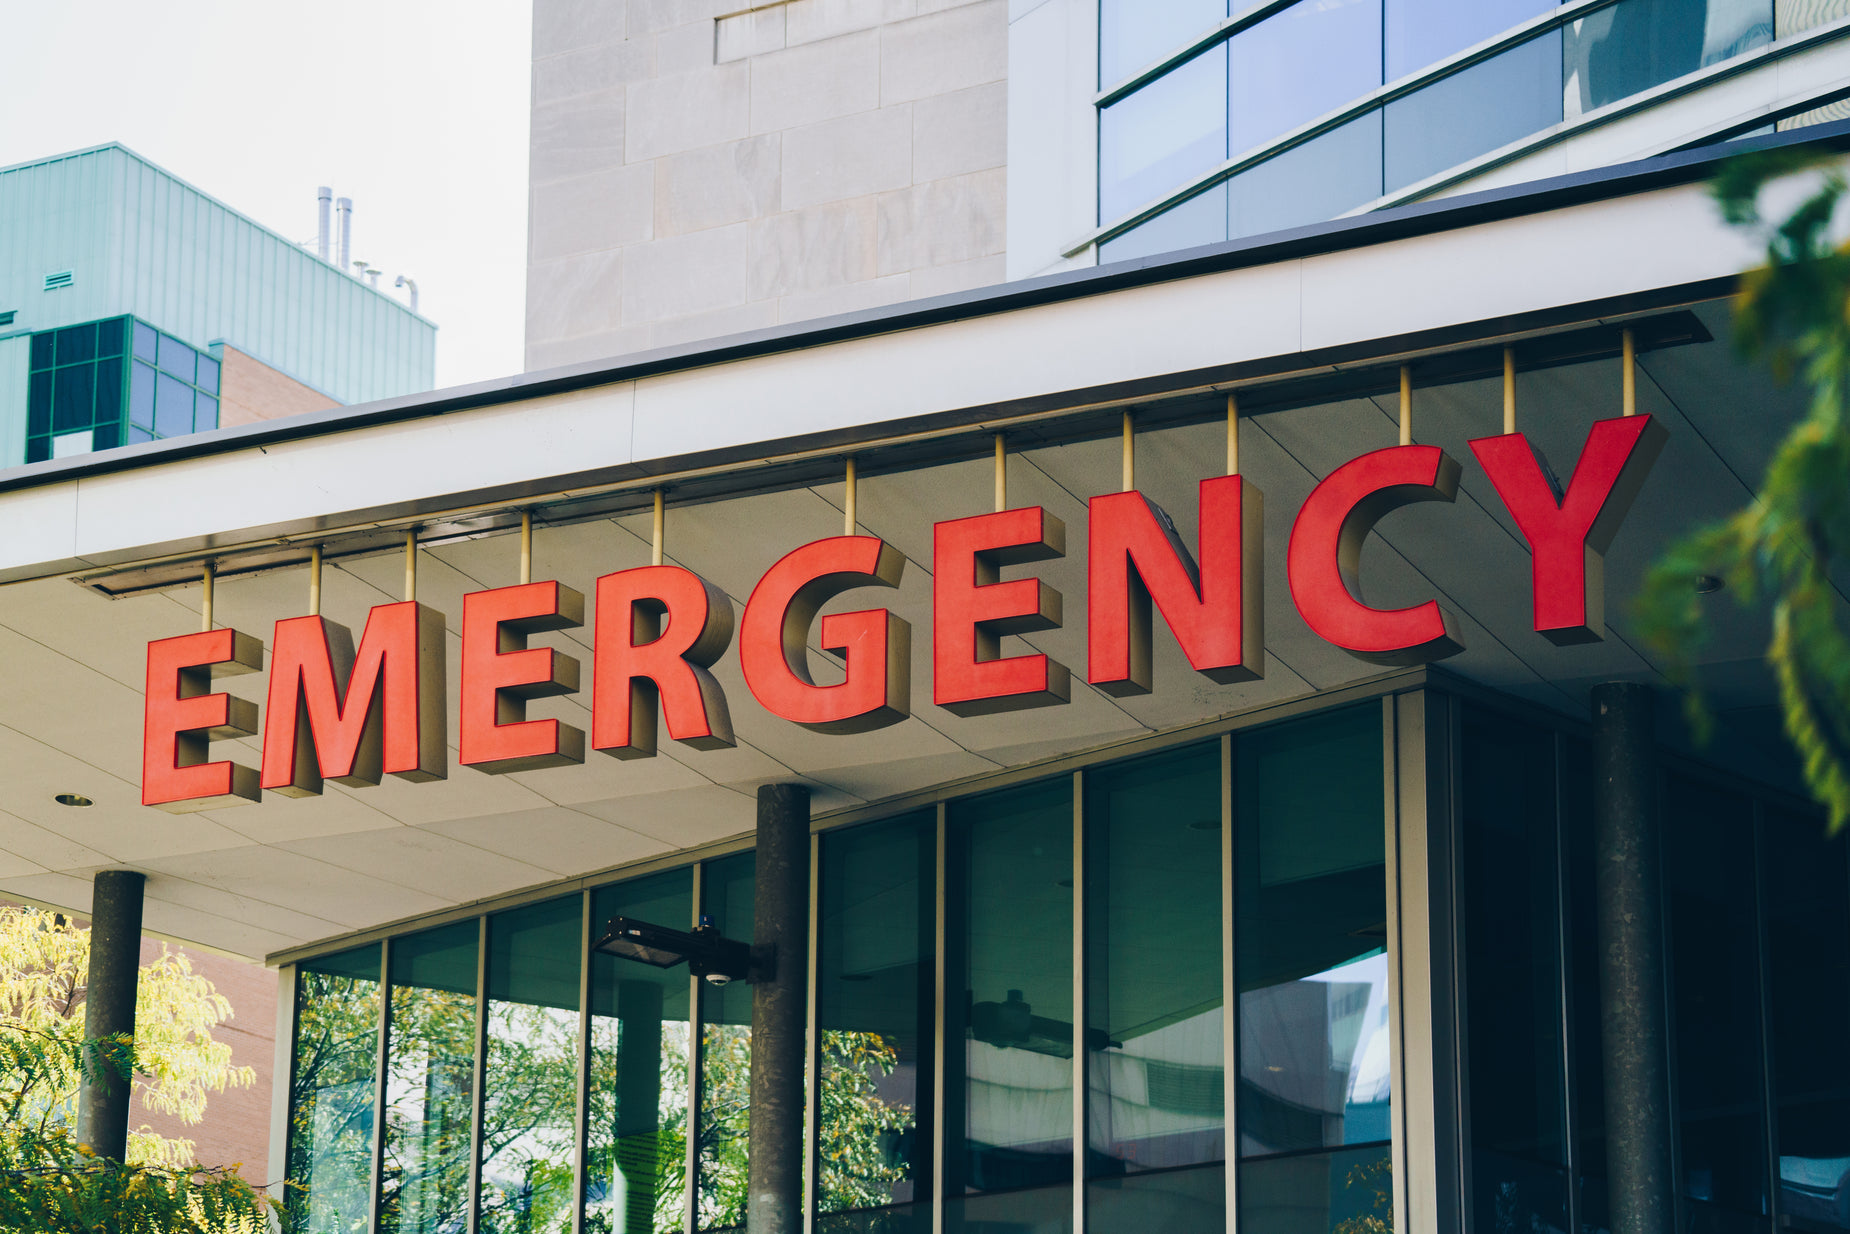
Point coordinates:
pixel 702 167
pixel 250 390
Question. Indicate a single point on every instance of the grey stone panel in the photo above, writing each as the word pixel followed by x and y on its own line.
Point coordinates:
pixel 804 250
pixel 589 70
pixel 749 34
pixel 575 295
pixel 943 221
pixel 801 85
pixel 667 115
pixel 848 157
pixel 679 275
pixel 576 136
pixel 591 213
pixel 943 52
pixel 953 134
pixel 561 25
pixel 718 185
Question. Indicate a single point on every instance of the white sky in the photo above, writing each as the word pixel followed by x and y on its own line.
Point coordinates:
pixel 416 109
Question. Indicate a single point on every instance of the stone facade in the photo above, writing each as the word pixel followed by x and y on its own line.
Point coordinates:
pixel 700 168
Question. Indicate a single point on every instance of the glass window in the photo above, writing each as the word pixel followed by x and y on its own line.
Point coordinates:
pixel 1010 1088
pixel 1637 44
pixel 1164 135
pixel 1312 933
pixel 530 1080
pixel 1319 1193
pixel 173 407
pixel 1423 32
pixel 205 414
pixel 77 344
pixel 208 374
pixel 726 1054
pixel 1202 219
pixel 1134 33
pixel 110 336
pixel 1457 118
pixel 1794 16
pixel 429 1082
pixel 109 391
pixel 1302 63
pixel 1808 953
pixel 38 449
pixel 1715 1005
pixel 147 342
pixel 874 976
pixel 73 397
pixel 636 1125
pixel 1583 960
pixel 106 436
pixel 43 352
pixel 136 435
pixel 1325 177
pixel 177 358
pixel 1513 999
pixel 1154 1013
pixel 38 404
pixel 331 1089
pixel 141 395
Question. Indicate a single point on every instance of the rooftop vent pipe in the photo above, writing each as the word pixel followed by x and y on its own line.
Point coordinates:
pixel 324 200
pixel 410 285
pixel 344 207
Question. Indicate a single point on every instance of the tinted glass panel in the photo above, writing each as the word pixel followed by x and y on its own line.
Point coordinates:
pixel 73 396
pixel 726 1054
pixel 874 976
pixel 43 349
pixel 429 1082
pixel 109 391
pixel 331 1092
pixel 208 374
pixel 1423 32
pixel 106 436
pixel 1808 950
pixel 1636 44
pixel 1153 988
pixel 1293 67
pixel 77 343
pixel 110 336
pixel 141 394
pixel 38 404
pixel 636 1137
pixel 1202 219
pixel 1513 999
pixel 177 358
pixel 530 1084
pixel 1488 105
pixel 1319 1193
pixel 138 435
pixel 1010 1089
pixel 1576 789
pixel 1165 134
pixel 1312 183
pixel 1132 33
pixel 173 407
pixel 205 413
pixel 147 342
pixel 38 449
pixel 1715 980
pixel 1312 931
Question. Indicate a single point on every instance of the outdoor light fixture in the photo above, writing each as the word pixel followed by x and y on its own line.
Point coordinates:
pixel 705 952
pixel 73 799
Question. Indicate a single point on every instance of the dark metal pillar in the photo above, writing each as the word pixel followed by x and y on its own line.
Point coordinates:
pixel 780 937
pixel 109 1006
pixel 1631 978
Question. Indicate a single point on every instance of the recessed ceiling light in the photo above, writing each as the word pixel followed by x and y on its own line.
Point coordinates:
pixel 73 799
pixel 1708 584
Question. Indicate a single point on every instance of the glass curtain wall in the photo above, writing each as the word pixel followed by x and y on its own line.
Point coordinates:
pixel 875 972
pixel 1311 968
pixel 332 1087
pixel 103 383
pixel 1245 96
pixel 429 1081
pixel 724 1129
pixel 636 1120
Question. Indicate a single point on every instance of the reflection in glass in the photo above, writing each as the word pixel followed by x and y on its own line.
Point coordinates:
pixel 1133 33
pixel 1311 931
pixel 1301 63
pixel 1637 44
pixel 44 349
pixel 110 336
pixel 1455 119
pixel 1202 219
pixel 177 358
pixel 874 975
pixel 1010 961
pixel 1325 177
pixel 1715 983
pixel 77 343
pixel 1423 32
pixel 530 1081
pixel 141 395
pixel 1154 1018
pixel 173 407
pixel 109 391
pixel 1170 131
pixel 636 1128
pixel 38 404
pixel 208 375
pixel 147 342
pixel 726 1054
pixel 1350 1192
pixel 429 1082
pixel 73 397
pixel 1808 950
pixel 1513 999
pixel 331 1092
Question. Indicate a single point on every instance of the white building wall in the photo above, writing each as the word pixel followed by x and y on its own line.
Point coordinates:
pixel 700 169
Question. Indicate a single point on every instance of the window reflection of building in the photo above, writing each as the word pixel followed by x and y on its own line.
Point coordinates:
pixel 430 1082
pixel 331 1092
pixel 725 1056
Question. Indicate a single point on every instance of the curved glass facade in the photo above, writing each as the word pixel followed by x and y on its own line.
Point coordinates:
pixel 1281 115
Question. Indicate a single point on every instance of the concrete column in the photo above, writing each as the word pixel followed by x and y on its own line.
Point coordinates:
pixel 109 1005
pixel 1633 1041
pixel 780 937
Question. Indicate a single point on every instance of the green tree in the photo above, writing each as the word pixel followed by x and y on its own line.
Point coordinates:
pixel 49 1181
pixel 1779 551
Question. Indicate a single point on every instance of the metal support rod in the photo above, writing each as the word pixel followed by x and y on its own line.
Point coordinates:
pixel 1628 347
pixel 208 576
pixel 1229 985
pixel 696 1047
pixel 1130 455
pixel 1233 434
pixel 1633 1019
pixel 657 531
pixel 812 1053
pixel 526 547
pixel 314 580
pixel 411 563
pixel 109 1006
pixel 1509 390
pixel 848 497
pixel 780 936
pixel 1406 405
pixel 1082 1062
pixel 1002 475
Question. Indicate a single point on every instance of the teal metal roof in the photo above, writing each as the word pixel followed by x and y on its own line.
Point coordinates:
pixel 136 239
